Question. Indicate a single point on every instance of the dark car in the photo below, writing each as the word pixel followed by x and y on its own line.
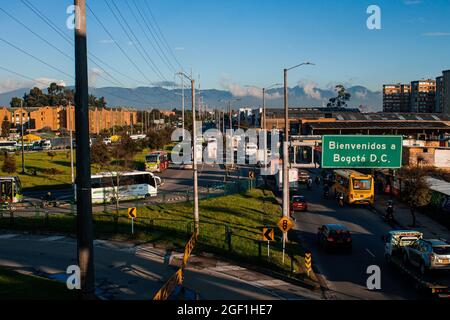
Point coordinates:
pixel 298 203
pixel 334 236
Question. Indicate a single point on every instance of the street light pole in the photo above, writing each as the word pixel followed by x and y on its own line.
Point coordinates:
pixel 21 126
pixel 286 149
pixel 194 166
pixel 194 162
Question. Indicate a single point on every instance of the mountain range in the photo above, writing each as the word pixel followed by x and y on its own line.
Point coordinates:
pixel 163 98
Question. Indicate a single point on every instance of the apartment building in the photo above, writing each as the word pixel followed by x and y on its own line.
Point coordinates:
pixel 446 92
pixel 56 118
pixel 439 95
pixel 423 96
pixel 396 97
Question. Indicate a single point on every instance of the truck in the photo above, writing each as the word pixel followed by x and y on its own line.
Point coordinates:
pixel 293 179
pixel 436 284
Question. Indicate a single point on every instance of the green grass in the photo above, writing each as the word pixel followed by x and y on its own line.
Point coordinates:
pixel 230 226
pixel 16 286
pixel 40 162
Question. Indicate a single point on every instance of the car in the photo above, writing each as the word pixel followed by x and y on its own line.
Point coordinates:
pixel 334 236
pixel 431 254
pixel 298 203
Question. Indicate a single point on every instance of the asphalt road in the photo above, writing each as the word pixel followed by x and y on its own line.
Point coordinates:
pixel 345 274
pixel 128 272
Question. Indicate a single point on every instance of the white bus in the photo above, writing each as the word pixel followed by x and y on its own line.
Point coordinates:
pixel 8 146
pixel 131 186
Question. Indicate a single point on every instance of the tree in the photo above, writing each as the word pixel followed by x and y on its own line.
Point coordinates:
pixel 9 164
pixel 342 97
pixel 125 150
pixel 16 102
pixel 36 98
pixel 417 193
pixel 6 127
pixel 100 154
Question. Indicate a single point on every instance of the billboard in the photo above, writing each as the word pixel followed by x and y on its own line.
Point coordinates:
pixel 359 151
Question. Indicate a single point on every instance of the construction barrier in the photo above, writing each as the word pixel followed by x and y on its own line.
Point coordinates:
pixel 177 279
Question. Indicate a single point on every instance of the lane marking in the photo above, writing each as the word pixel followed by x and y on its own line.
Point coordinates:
pixel 369 252
pixel 8 236
pixel 54 238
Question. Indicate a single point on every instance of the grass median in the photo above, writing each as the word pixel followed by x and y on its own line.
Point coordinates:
pixel 16 286
pixel 230 226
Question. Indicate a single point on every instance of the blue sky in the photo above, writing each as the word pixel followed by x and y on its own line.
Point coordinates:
pixel 235 43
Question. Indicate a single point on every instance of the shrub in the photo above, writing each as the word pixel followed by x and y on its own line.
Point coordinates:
pixel 9 164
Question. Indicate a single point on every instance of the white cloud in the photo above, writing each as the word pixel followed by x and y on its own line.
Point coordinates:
pixel 361 94
pixel 311 89
pixel 94 73
pixel 243 91
pixel 8 85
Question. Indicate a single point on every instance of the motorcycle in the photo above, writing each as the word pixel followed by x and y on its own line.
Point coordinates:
pixel 326 194
pixel 341 201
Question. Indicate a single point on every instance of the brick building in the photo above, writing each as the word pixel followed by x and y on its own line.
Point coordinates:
pixel 56 118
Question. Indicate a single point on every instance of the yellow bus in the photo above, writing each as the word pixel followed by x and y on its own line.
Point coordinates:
pixel 356 187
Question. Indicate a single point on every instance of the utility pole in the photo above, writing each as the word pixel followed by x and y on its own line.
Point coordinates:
pixel 84 198
pixel 21 126
pixel 263 120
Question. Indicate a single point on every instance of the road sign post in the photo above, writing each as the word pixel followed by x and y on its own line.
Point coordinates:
pixel 285 224
pixel 268 235
pixel 132 214
pixel 308 262
pixel 362 151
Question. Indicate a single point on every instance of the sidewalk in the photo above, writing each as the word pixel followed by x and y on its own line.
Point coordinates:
pixel 430 228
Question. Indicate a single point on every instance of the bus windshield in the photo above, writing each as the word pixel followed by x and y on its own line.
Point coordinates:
pixel 362 184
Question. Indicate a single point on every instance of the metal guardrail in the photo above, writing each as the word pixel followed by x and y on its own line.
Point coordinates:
pixel 177 278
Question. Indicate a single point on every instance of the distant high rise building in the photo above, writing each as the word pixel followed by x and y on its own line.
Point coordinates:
pixel 396 97
pixel 423 96
pixel 439 95
pixel 446 92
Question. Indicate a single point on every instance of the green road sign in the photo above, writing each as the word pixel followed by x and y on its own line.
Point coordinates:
pixel 360 151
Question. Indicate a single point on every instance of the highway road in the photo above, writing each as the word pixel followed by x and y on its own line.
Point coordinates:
pixel 345 274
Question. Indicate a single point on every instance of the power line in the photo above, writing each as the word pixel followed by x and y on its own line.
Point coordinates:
pixel 36 58
pixel 115 81
pixel 150 29
pixel 23 76
pixel 37 35
pixel 55 28
pixel 117 44
pixel 162 35
pixel 163 57
pixel 46 20
pixel 149 60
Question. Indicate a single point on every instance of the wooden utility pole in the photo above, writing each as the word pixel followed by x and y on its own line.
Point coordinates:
pixel 84 198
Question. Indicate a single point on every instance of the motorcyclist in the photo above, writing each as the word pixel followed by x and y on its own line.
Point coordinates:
pixel 310 182
pixel 317 180
pixel 390 211
pixel 326 191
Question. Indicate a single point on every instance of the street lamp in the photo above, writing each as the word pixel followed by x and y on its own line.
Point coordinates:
pixel 194 163
pixel 285 149
pixel 229 101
